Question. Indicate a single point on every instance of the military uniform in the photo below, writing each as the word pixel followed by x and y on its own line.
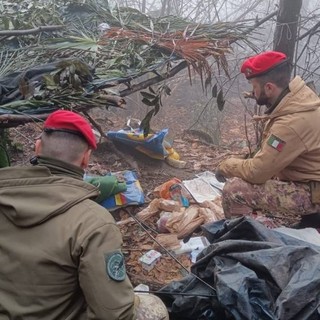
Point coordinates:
pixel 290 152
pixel 60 252
pixel 274 197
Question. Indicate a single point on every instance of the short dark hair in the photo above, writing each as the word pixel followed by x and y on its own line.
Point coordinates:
pixel 280 76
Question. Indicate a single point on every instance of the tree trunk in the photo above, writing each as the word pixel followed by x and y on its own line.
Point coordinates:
pixel 285 35
pixel 143 6
pixel 168 11
pixel 163 8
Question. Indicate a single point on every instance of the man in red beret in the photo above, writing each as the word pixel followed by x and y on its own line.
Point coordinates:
pixel 60 252
pixel 283 178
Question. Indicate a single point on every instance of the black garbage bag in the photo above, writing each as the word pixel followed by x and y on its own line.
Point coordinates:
pixel 256 273
pixel 190 299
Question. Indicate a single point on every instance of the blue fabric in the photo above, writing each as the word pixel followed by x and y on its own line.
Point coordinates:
pixel 132 196
pixel 152 145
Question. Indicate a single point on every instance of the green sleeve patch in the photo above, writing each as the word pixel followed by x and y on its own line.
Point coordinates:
pixel 276 143
pixel 115 266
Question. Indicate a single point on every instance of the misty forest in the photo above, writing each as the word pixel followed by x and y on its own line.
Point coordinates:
pixel 171 64
pixel 166 73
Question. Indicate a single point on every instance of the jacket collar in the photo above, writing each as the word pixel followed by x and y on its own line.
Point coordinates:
pixel 58 167
pixel 281 96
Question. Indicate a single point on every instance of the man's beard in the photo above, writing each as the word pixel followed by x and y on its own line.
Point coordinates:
pixel 263 100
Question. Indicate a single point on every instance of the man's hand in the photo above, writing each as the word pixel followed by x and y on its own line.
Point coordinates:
pixel 219 176
pixel 248 95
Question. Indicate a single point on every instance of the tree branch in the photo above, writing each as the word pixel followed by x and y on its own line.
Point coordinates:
pixel 13 120
pixel 262 21
pixel 150 82
pixel 30 31
pixel 311 31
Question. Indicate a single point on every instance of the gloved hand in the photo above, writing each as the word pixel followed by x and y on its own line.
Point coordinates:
pixel 219 176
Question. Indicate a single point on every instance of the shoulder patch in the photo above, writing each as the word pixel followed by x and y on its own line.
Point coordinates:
pixel 276 143
pixel 115 266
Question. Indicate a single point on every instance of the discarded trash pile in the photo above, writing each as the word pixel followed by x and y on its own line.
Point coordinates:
pixel 205 267
pixel 152 270
pixel 163 240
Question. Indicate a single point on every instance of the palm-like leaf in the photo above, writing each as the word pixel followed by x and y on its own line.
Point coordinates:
pixel 134 44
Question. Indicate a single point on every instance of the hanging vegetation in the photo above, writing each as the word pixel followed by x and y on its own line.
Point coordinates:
pixel 80 56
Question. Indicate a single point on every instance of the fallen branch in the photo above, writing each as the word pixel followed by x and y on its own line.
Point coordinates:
pixel 14 120
pixel 30 31
pixel 115 101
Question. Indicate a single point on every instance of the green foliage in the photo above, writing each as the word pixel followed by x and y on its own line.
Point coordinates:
pixel 4 157
pixel 214 90
pixel 220 100
pixel 135 44
pixel 26 14
pixel 152 99
pixel 81 34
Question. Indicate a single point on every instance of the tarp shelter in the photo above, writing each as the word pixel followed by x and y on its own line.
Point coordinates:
pixel 256 273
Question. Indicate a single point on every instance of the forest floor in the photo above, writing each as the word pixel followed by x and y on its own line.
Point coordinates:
pixel 192 147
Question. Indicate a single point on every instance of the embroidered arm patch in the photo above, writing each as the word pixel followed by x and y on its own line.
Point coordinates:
pixel 115 266
pixel 276 143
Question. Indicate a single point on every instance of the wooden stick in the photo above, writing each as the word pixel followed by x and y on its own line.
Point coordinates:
pixel 13 120
pixel 30 31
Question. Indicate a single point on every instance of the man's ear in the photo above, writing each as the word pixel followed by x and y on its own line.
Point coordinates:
pixel 37 147
pixel 270 89
pixel 85 159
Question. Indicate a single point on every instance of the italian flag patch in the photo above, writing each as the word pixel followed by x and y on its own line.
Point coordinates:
pixel 276 143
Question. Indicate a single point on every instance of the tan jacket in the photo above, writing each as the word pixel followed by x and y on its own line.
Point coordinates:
pixel 295 124
pixel 54 247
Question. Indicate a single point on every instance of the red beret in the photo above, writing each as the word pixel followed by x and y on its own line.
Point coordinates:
pixel 68 121
pixel 262 63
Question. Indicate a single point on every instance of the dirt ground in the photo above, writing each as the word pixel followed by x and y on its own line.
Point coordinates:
pixel 191 146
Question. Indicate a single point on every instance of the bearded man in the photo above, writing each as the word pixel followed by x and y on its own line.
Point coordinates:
pixel 283 177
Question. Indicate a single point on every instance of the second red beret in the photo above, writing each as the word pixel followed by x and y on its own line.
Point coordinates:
pixel 262 63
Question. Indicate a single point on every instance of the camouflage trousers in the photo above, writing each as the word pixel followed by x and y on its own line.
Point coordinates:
pixel 275 198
